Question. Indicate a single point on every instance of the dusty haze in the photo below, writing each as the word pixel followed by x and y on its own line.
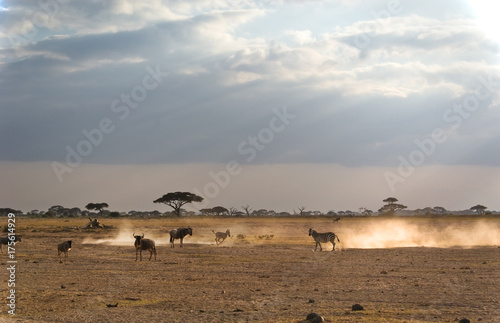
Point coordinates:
pixel 362 233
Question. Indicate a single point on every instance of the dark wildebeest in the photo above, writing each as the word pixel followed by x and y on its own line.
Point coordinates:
pixel 323 237
pixel 144 244
pixel 221 236
pixel 6 240
pixel 63 247
pixel 179 233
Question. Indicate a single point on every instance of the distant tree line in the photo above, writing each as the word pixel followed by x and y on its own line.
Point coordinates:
pixel 177 200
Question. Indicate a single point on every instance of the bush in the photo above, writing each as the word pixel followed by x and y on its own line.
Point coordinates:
pixel 114 214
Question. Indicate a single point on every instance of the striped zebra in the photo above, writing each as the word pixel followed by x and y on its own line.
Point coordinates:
pixel 323 237
pixel 221 236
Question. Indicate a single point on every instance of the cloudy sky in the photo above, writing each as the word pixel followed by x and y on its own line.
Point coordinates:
pixel 330 105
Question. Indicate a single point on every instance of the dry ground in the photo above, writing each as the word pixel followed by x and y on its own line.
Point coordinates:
pixel 251 279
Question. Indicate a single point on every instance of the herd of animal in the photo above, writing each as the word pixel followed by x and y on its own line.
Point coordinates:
pixel 142 243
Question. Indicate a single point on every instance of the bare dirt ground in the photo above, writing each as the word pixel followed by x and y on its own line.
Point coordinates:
pixel 266 279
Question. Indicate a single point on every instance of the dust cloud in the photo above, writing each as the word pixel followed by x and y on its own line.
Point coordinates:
pixel 360 233
pixel 125 237
pixel 394 233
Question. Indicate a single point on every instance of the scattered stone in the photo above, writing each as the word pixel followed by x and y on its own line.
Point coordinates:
pixel 357 307
pixel 314 318
pixel 464 320
pixel 112 305
pixel 311 301
pixel 202 311
pixel 238 310
pixel 383 272
pixel 132 298
pixel 63 287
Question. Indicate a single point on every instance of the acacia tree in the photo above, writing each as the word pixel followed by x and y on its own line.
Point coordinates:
pixel 479 208
pixel 440 209
pixel 247 209
pixel 97 207
pixel 218 210
pixel 177 200
pixel 391 206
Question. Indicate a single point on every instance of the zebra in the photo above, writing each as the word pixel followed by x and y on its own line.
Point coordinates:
pixel 323 237
pixel 221 236
pixel 179 233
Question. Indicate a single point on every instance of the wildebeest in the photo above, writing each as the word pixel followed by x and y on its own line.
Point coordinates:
pixel 221 236
pixel 63 247
pixel 323 237
pixel 6 240
pixel 179 233
pixel 144 244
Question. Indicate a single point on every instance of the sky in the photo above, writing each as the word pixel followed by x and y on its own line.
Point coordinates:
pixel 327 105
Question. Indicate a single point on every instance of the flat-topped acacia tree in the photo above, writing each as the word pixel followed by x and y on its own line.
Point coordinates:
pixel 97 207
pixel 178 199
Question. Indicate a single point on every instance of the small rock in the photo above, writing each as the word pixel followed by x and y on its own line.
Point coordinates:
pixel 357 307
pixel 311 301
pixel 112 305
pixel 383 272
pixel 310 316
pixel 464 320
pixel 63 287
pixel 314 318
pixel 238 310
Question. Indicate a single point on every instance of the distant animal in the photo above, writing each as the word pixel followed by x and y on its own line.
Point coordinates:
pixel 221 236
pixel 336 220
pixel 63 247
pixel 266 236
pixel 144 244
pixel 6 240
pixel 323 237
pixel 179 233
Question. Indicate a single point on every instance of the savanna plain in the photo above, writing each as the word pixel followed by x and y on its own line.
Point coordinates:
pixel 415 269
